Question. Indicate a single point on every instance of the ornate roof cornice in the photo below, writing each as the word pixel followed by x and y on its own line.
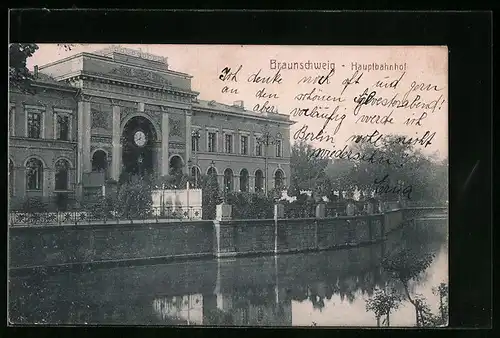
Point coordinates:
pixel 149 86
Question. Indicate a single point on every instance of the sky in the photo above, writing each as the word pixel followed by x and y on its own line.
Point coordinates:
pixel 423 79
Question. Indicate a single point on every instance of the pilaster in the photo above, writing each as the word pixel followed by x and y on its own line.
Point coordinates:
pixel 116 145
pixel 165 129
pixel 188 141
pixel 84 129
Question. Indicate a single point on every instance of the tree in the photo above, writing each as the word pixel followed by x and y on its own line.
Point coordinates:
pixel 340 177
pixel 404 165
pixel 211 195
pixel 442 291
pixel 439 184
pixel 405 265
pixel 134 198
pixel 19 75
pixel 382 303
pixel 308 172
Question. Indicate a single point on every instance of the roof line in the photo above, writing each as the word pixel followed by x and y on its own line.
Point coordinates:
pixel 107 58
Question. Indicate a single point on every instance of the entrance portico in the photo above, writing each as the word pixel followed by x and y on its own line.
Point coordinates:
pixel 138 146
pixel 141 146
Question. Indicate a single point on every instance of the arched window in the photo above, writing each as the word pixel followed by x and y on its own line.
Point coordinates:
pixel 278 179
pixel 259 180
pixel 228 180
pixel 34 174
pixel 195 173
pixel 11 178
pixel 244 180
pixel 212 171
pixel 99 161
pixel 62 175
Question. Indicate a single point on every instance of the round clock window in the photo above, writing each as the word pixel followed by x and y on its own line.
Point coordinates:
pixel 140 138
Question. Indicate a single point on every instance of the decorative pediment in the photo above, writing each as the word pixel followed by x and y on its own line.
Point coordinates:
pixel 140 74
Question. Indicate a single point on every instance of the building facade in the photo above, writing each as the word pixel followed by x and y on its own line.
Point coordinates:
pixel 97 115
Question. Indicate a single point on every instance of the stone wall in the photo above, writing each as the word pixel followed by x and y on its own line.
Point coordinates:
pixel 240 237
pixel 392 220
pixel 54 245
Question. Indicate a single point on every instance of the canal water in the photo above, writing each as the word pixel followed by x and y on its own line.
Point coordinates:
pixel 328 288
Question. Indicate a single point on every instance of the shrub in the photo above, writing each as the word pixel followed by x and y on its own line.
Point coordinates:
pixel 211 196
pixel 134 199
pixel 241 205
pixel 303 206
pixel 247 205
pixel 34 204
pixel 103 208
pixel 261 206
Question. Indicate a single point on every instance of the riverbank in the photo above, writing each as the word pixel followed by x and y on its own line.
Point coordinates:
pixel 82 246
pixel 242 287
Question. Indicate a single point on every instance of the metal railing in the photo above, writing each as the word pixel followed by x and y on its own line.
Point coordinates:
pixel 75 217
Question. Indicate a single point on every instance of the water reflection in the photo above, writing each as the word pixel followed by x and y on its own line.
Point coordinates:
pixel 327 288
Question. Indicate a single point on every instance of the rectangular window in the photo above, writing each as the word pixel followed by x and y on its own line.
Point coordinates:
pixel 228 143
pixel 244 145
pixel 279 148
pixel 195 143
pixel 212 142
pixel 62 129
pixel 258 148
pixel 34 124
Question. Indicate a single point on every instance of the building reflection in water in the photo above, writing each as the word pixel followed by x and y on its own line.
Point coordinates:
pixel 253 308
pixel 253 291
pixel 187 308
pixel 263 291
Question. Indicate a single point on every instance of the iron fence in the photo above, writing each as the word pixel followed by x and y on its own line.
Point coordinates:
pixel 96 216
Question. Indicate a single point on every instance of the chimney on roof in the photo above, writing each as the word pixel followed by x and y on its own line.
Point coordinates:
pixel 238 104
pixel 35 71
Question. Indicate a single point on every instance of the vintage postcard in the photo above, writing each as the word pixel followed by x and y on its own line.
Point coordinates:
pixel 228 185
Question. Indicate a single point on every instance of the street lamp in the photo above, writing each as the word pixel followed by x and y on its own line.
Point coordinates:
pixel 195 134
pixel 267 139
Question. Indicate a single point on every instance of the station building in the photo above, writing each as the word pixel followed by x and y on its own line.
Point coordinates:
pixel 96 115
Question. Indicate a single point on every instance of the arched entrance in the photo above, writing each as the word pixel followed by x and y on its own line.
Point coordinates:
pixel 176 165
pixel 244 180
pixel 278 179
pixel 196 175
pixel 138 139
pixel 259 180
pixel 100 162
pixel 62 175
pixel 228 180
